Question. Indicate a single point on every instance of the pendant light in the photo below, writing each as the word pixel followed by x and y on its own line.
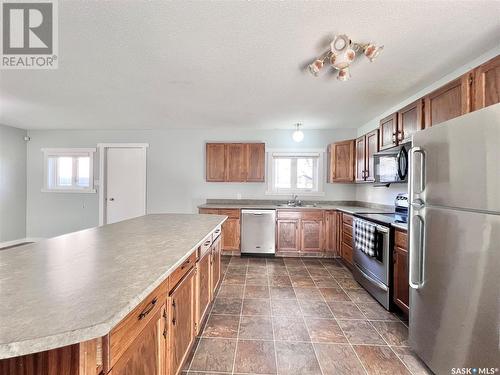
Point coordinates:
pixel 297 134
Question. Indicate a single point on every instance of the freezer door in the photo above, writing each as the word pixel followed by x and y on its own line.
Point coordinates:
pixel 462 161
pixel 454 313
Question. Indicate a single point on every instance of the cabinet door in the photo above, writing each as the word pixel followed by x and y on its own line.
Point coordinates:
pixel 331 232
pixel 487 84
pixel 215 162
pixel 371 148
pixel 236 162
pixel 311 235
pixel 360 158
pixel 231 235
pixel 203 288
pixel 215 264
pixel 342 161
pixel 256 161
pixel 181 330
pixel 409 121
pixel 449 101
pixel 388 131
pixel 288 235
pixel 401 284
pixel 146 355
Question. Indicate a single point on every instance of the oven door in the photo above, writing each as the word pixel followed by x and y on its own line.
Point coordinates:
pixel 373 274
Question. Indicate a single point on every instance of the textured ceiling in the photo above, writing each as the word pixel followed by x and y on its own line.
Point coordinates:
pixel 159 64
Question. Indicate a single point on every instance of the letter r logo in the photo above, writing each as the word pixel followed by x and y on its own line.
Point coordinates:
pixel 27 28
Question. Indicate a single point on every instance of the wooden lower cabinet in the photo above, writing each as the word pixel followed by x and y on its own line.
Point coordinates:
pixel 346 245
pixel 181 322
pixel 215 265
pixel 311 235
pixel 288 235
pixel 332 232
pixel 203 287
pixel 145 356
pixel 230 229
pixel 401 290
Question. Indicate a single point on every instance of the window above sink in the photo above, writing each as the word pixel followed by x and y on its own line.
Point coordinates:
pixel 295 172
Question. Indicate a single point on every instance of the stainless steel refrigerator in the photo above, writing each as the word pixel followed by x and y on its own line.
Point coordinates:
pixel 455 243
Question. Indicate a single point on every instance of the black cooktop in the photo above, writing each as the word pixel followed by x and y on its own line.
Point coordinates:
pixel 385 218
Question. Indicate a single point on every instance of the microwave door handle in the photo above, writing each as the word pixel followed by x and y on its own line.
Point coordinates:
pixel 402 154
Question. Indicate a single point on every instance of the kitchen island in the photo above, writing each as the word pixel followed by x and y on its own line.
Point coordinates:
pixel 83 300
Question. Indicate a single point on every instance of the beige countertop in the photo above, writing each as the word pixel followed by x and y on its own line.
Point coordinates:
pixel 78 286
pixel 348 208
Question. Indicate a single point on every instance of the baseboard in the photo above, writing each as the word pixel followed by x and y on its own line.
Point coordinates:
pixel 19 241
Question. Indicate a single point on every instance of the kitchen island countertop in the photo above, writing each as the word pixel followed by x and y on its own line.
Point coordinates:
pixel 78 286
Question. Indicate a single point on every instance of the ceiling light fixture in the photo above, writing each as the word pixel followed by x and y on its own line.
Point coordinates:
pixel 298 135
pixel 342 53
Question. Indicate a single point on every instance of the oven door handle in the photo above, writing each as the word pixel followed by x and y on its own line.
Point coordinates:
pixel 376 282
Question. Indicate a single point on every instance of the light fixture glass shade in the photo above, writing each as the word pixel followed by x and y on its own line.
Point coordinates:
pixel 344 74
pixel 297 134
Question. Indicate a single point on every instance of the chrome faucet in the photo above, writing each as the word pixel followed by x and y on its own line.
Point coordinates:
pixel 295 202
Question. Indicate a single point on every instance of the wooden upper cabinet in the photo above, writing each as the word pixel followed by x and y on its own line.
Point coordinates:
pixel 360 158
pixel 366 146
pixel 372 146
pixel 410 120
pixel 256 161
pixel 487 84
pixel 215 162
pixel 388 131
pixel 236 162
pixel 450 101
pixel 341 157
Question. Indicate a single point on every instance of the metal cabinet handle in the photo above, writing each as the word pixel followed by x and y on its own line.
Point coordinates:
pixel 174 320
pixel 165 321
pixel 148 309
pixel 111 199
pixel 207 243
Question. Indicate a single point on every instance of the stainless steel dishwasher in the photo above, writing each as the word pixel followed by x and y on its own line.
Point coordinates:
pixel 258 231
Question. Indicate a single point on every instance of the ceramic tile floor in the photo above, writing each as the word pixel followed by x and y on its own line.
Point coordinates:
pixel 298 316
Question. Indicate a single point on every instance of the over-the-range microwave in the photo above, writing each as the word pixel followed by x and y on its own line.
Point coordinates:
pixel 391 165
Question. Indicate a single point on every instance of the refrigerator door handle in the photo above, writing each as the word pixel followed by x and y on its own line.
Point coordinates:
pixel 417 252
pixel 413 151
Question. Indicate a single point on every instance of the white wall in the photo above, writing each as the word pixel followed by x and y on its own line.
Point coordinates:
pixel 176 175
pixel 12 184
pixel 386 195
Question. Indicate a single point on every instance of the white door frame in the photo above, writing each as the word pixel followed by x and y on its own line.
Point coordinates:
pixel 102 173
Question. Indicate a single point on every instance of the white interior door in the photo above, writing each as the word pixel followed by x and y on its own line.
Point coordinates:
pixel 125 183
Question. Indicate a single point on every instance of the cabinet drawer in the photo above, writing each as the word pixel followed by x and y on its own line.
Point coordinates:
pixel 401 238
pixel 232 214
pixel 347 239
pixel 288 214
pixel 216 233
pixel 316 215
pixel 123 334
pixel 347 252
pixel 210 211
pixel 179 273
pixel 346 218
pixel 205 247
pixel 347 229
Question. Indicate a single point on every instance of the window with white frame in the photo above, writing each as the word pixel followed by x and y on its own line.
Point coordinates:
pixel 69 170
pixel 295 173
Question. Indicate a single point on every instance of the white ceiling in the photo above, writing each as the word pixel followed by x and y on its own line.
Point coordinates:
pixel 159 64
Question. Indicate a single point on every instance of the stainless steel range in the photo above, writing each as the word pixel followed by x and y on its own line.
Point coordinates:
pixel 373 236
